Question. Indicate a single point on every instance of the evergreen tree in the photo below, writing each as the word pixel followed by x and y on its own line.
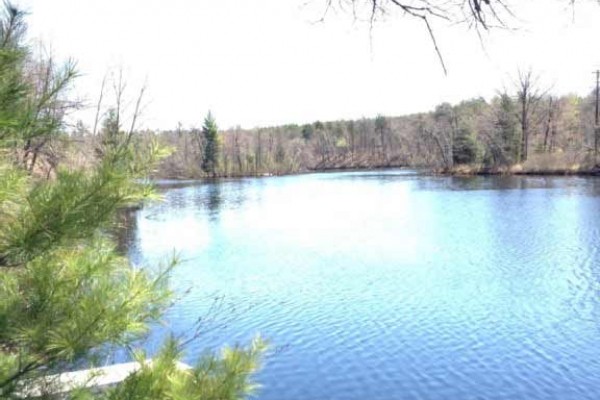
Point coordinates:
pixel 210 133
pixel 67 299
pixel 507 125
pixel 307 132
pixel 464 147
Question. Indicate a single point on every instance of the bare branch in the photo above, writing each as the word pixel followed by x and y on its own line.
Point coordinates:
pixel 99 106
pixel 136 112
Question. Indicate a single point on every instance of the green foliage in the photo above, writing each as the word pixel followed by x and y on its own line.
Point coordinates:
pixel 464 148
pixel 68 303
pixel 111 132
pixel 70 209
pixel 210 133
pixel 381 123
pixel 224 378
pixel 67 299
pixel 507 125
pixel 32 101
pixel 14 89
pixel 307 132
pixel 341 143
pixel 444 113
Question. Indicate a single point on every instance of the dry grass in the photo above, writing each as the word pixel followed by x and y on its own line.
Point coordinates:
pixel 559 163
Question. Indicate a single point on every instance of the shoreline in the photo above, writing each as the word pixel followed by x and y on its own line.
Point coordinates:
pixel 517 170
pixel 460 171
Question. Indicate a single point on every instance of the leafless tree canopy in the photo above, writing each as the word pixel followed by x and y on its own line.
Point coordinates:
pixel 476 14
pixel 483 13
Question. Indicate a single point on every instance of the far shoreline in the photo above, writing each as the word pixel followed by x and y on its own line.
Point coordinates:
pixel 458 171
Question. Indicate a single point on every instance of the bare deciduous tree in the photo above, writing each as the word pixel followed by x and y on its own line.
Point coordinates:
pixel 529 95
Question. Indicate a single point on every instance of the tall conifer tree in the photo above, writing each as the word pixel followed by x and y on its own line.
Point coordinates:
pixel 210 133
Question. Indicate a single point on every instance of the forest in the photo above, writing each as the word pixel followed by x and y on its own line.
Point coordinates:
pixel 525 130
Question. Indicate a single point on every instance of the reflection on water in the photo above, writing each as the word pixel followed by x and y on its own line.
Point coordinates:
pixel 214 199
pixel 125 230
pixel 590 185
pixel 389 284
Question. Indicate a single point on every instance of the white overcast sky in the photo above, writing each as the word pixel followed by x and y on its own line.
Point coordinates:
pixel 265 62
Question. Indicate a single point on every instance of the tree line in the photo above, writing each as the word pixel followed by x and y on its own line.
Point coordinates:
pixel 526 129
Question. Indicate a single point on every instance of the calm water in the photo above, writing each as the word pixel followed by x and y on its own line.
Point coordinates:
pixel 384 285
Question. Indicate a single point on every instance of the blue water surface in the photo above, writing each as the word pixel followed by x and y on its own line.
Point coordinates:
pixel 388 284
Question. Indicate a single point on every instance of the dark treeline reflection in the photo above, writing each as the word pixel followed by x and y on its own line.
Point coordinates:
pixel 589 186
pixel 206 198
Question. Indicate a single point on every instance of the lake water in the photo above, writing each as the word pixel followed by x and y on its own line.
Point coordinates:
pixel 389 285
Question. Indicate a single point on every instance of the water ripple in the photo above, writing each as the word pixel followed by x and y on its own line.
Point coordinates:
pixel 389 285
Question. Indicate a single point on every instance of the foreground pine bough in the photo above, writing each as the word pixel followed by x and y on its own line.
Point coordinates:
pixel 67 298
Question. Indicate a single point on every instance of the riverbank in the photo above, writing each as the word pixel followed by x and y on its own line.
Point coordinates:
pixel 547 164
pixel 458 170
pixel 518 169
pixel 341 168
